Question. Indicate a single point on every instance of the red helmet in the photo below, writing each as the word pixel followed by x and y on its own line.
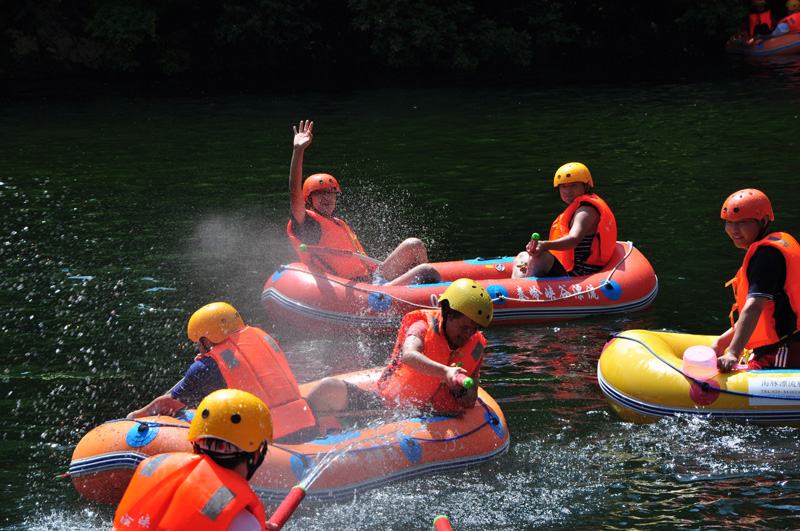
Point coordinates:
pixel 320 182
pixel 747 204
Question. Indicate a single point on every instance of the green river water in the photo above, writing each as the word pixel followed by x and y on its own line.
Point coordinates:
pixel 122 215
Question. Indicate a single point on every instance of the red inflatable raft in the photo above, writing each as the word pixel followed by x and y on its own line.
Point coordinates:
pixel 357 458
pixel 787 44
pixel 298 295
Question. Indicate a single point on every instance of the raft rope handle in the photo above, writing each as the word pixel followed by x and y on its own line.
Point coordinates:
pixel 149 423
pixel 604 283
pixel 388 445
pixel 705 386
pixel 349 285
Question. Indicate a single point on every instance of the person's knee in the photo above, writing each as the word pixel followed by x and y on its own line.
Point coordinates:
pixel 427 274
pixel 415 247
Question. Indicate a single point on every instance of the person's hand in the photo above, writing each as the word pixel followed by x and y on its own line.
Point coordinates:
pixel 727 361
pixel 451 374
pixel 303 134
pixel 532 246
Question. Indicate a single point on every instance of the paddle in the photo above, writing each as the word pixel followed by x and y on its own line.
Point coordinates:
pixel 305 248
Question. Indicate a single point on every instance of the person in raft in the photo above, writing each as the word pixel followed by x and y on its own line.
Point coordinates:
pixel 232 354
pixel 791 22
pixel 434 351
pixel 582 238
pixel 766 288
pixel 329 243
pixel 206 489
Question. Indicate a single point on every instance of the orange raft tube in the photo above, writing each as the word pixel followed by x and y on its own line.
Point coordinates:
pixel 104 460
pixel 298 295
pixel 787 44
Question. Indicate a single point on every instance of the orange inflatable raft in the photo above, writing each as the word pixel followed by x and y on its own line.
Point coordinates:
pixel 298 295
pixel 741 44
pixel 355 459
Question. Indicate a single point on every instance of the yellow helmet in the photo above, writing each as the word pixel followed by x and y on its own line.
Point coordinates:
pixel 215 321
pixel 470 298
pixel 793 5
pixel 234 416
pixel 573 172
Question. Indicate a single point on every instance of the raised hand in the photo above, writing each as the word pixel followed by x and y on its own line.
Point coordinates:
pixel 303 134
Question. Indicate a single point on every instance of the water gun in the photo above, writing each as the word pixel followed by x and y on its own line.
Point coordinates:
pixel 442 523
pixel 535 237
pixel 286 508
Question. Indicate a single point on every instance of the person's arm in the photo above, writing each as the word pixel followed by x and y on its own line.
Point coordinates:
pixel 721 343
pixel 584 222
pixel 745 325
pixel 413 357
pixel 303 137
pixel 162 405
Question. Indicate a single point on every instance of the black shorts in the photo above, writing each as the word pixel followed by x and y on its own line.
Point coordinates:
pixel 359 399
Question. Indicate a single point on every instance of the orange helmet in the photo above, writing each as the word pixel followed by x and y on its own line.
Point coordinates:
pixel 573 172
pixel 747 204
pixel 320 182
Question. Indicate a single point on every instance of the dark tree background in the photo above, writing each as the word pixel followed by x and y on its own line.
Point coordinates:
pixel 272 39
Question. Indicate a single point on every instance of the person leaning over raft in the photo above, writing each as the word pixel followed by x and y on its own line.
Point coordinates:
pixel 312 223
pixel 206 489
pixel 582 238
pixel 766 288
pixel 434 350
pixel 235 355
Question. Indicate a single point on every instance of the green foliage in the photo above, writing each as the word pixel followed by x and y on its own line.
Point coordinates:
pixel 272 37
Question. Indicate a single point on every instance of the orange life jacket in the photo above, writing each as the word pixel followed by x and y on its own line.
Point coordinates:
pixel 793 21
pixel 765 333
pixel 336 234
pixel 182 491
pixel 756 19
pixel 252 361
pixel 605 239
pixel 400 384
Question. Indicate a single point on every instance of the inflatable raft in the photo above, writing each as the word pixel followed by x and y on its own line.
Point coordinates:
pixel 787 44
pixel 298 295
pixel 104 460
pixel 644 378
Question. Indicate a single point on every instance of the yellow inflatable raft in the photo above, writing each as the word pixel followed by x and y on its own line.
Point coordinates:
pixel 643 376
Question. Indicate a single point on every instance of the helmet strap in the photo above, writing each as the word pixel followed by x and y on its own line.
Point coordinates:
pixel 255 459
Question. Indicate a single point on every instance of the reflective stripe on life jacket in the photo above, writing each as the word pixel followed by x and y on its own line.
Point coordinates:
pixel 756 19
pixel 182 491
pixel 335 234
pixel 605 239
pixel 252 361
pixel 765 332
pixel 402 385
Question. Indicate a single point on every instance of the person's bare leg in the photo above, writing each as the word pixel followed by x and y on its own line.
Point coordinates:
pixel 329 396
pixel 409 254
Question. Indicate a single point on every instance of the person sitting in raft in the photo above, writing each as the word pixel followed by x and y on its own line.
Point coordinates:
pixel 206 489
pixel 435 350
pixel 232 354
pixel 789 23
pixel 582 238
pixel 312 223
pixel 760 21
pixel 766 288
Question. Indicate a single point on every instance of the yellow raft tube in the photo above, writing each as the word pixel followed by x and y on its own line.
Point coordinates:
pixel 643 377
